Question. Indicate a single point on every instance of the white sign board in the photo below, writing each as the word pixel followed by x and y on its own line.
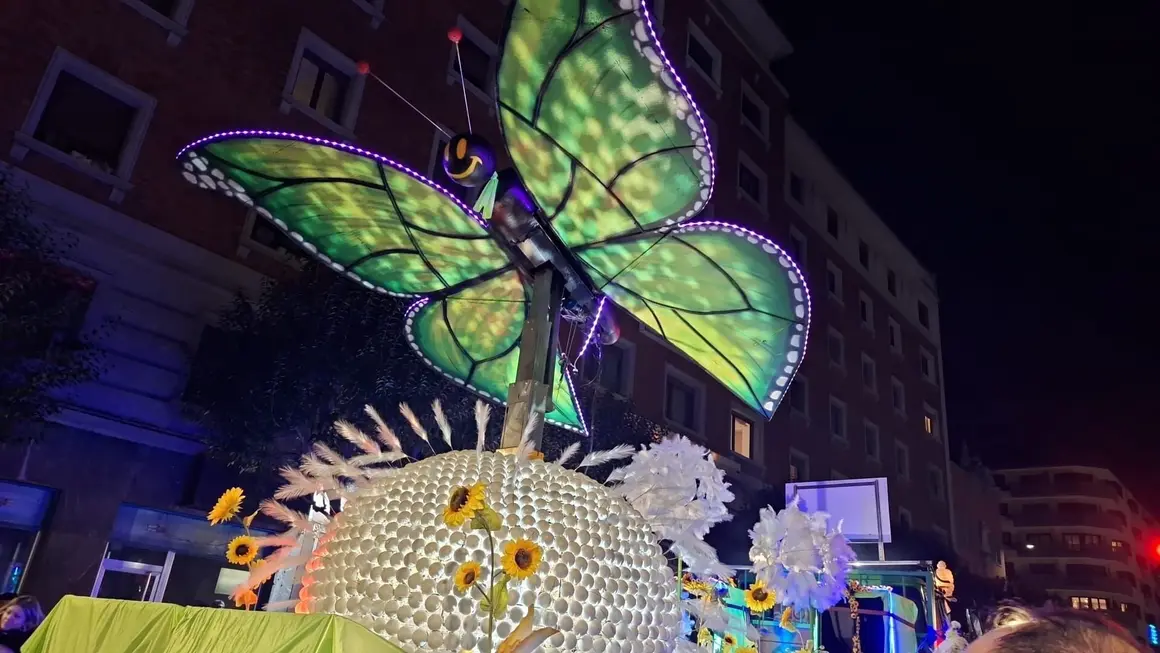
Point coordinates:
pixel 862 504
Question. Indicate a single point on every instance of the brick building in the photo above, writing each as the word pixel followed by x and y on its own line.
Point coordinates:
pixel 99 97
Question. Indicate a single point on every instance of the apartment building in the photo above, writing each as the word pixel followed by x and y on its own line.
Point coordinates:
pixel 1078 534
pixel 99 96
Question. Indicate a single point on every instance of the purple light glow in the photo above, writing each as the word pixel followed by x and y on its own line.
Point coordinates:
pixel 289 136
pixel 592 329
pixel 688 96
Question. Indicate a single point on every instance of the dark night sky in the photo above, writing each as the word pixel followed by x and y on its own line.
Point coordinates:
pixel 1014 147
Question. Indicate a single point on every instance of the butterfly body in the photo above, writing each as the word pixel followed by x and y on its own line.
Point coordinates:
pixel 611 162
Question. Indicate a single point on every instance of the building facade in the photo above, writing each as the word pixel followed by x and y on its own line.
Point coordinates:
pixel 1079 535
pixel 99 97
pixel 979 519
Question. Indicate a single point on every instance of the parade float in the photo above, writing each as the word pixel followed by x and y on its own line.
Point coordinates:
pixel 469 549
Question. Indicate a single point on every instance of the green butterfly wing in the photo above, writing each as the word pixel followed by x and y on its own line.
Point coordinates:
pixel 601 130
pixel 391 229
pixel 731 300
pixel 375 220
pixel 473 337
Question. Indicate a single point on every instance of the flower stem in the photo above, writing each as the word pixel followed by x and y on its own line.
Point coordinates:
pixel 491 591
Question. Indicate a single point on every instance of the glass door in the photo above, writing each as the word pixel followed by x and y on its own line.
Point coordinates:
pixel 131 581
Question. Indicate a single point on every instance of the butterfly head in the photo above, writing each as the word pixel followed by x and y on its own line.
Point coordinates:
pixel 468 160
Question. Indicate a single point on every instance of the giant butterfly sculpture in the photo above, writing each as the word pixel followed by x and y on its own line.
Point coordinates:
pixel 612 162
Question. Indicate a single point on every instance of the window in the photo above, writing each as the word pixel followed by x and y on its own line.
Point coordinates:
pixel 926 364
pixel 864 254
pixel 742 436
pixel 902 461
pixel 754 112
pixel 682 401
pixel 837 419
pixel 478 55
pixel 703 56
pixel 797 247
pixel 320 86
pixel 891 283
pixel 799 396
pixel 173 15
pixel 930 422
pixel 984 537
pixel 834 281
pixel 750 181
pixel 894 334
pixel 375 9
pixel 934 478
pixel 259 234
pixel 923 315
pixel 88 120
pixel 837 349
pixel 873 443
pixel 866 311
pixel 1089 603
pixel 799 466
pixel 657 10
pixel 1039 539
pixel 611 367
pixel 897 396
pixel 1118 546
pixel 797 189
pixel 869 375
pixel 832 221
pixel 324 84
pixel 1072 541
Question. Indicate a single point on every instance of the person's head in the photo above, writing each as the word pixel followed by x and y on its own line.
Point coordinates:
pixel 1017 630
pixel 21 613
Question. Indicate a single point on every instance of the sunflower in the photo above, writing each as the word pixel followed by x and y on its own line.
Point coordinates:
pixel 227 506
pixel 466 576
pixel 759 599
pixel 462 504
pixel 521 558
pixel 729 641
pixel 704 637
pixel 242 550
pixel 746 649
pixel 786 622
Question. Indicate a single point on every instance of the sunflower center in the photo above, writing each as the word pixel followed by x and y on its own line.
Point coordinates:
pixel 760 594
pixel 459 498
pixel 242 550
pixel 469 578
pixel 523 558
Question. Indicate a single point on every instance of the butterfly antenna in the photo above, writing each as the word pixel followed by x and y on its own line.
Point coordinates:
pixel 455 35
pixel 365 69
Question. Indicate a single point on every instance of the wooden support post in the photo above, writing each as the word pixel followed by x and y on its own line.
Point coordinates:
pixel 531 394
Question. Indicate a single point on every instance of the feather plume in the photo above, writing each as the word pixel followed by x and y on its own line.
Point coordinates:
pixel 379 472
pixel 341 466
pixel 441 420
pixel 289 538
pixel 301 485
pixel 597 458
pixel 356 437
pixel 386 435
pixel 569 453
pixel 313 467
pixel 268 566
pixel 286 515
pixel 376 459
pixel 524 450
pixel 482 414
pixel 413 420
pixel 281 606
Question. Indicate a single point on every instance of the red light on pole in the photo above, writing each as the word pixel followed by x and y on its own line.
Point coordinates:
pixel 1156 549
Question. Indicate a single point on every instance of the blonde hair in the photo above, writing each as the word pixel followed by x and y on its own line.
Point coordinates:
pixel 1060 631
pixel 29 606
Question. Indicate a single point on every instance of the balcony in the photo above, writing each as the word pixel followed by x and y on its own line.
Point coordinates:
pixel 1063 582
pixel 1093 489
pixel 1063 551
pixel 1096 520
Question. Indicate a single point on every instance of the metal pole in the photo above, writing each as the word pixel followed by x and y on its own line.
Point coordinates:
pixel 531 394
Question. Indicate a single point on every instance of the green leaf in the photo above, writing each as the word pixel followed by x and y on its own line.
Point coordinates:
pixel 497 603
pixel 486 519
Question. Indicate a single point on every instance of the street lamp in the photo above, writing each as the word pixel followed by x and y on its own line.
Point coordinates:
pixel 1029 546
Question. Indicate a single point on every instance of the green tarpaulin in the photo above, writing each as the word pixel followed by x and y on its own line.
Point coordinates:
pixel 84 625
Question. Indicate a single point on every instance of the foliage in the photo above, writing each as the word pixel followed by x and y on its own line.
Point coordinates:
pixel 311 349
pixel 41 304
